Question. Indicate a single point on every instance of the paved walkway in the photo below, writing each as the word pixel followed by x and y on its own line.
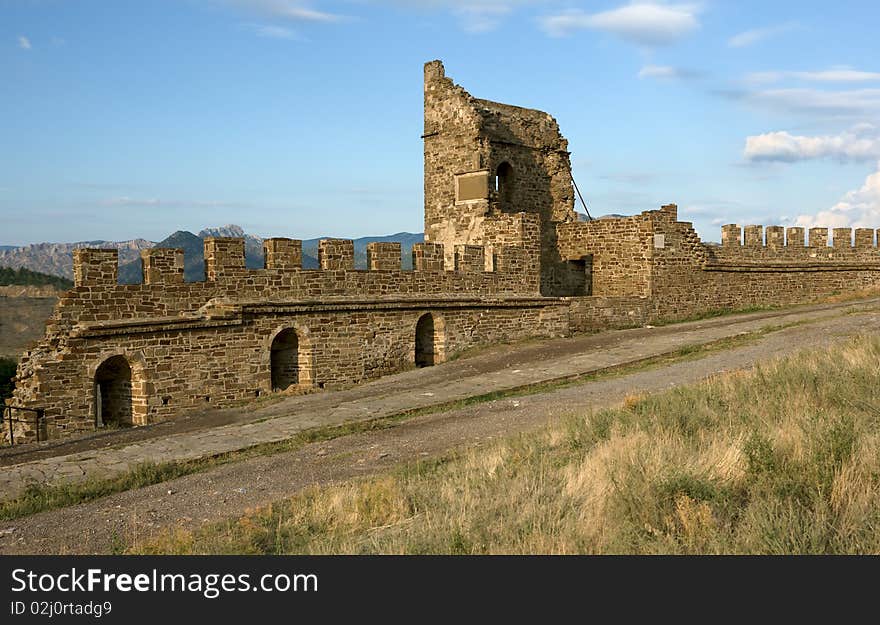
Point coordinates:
pixel 498 369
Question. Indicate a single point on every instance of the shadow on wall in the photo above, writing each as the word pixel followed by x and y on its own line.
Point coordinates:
pixel 7 374
pixel 523 181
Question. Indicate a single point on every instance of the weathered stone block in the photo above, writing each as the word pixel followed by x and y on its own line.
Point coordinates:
pixel 842 237
pixel 470 258
pixel 223 255
pixel 95 267
pixel 775 237
pixel 754 236
pixel 510 259
pixel 864 237
pixel 731 235
pixel 162 266
pixel 428 257
pixel 281 253
pixel 818 237
pixel 795 237
pixel 336 254
pixel 383 256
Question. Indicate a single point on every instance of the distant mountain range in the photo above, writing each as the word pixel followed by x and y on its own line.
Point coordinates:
pixel 57 258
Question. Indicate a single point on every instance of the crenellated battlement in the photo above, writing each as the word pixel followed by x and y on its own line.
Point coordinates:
pixel 777 238
pixel 497 269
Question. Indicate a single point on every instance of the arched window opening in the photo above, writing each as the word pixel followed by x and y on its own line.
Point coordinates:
pixel 285 360
pixel 504 183
pixel 113 405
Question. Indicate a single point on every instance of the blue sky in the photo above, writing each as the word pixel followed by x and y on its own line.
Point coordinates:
pixel 123 119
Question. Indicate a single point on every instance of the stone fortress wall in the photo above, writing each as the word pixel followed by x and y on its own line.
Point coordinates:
pixel 505 258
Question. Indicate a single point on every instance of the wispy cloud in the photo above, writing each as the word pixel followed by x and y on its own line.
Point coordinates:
pixel 272 31
pixel 853 103
pixel 481 17
pixel 840 73
pixel 666 72
pixel 24 43
pixel 293 10
pixel 643 23
pixel 475 16
pixel 755 35
pixel 860 143
pixel 859 208
pixel 133 202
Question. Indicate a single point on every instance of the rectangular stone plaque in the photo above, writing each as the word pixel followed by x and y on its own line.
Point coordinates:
pixel 472 186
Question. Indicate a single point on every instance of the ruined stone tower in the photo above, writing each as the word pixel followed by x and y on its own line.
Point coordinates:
pixel 485 161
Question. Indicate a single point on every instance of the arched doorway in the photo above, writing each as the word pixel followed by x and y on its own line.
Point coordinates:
pixel 113 394
pixel 430 341
pixel 286 360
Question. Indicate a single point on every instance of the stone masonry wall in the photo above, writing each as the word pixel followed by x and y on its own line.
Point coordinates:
pixel 690 277
pixel 192 345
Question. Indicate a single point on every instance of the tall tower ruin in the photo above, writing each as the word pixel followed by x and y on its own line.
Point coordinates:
pixel 485 161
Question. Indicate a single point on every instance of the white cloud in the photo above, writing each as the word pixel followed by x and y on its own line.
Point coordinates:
pixel 475 16
pixel 861 143
pixel 841 73
pixel 644 23
pixel 294 10
pixel 270 31
pixel 863 103
pixel 657 71
pixel 24 43
pixel 666 72
pixel 481 17
pixel 858 209
pixel 753 36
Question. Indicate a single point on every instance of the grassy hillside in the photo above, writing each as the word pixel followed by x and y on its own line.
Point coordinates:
pixel 25 277
pixel 784 459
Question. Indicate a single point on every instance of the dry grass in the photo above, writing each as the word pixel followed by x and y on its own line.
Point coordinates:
pixel 784 459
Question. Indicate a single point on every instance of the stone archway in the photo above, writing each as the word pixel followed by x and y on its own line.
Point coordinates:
pixel 290 359
pixel 430 340
pixel 120 391
pixel 113 393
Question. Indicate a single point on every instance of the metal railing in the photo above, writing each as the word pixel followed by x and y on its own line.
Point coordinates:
pixel 35 417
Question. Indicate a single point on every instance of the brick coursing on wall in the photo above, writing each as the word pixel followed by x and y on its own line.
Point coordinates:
pixel 501 261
